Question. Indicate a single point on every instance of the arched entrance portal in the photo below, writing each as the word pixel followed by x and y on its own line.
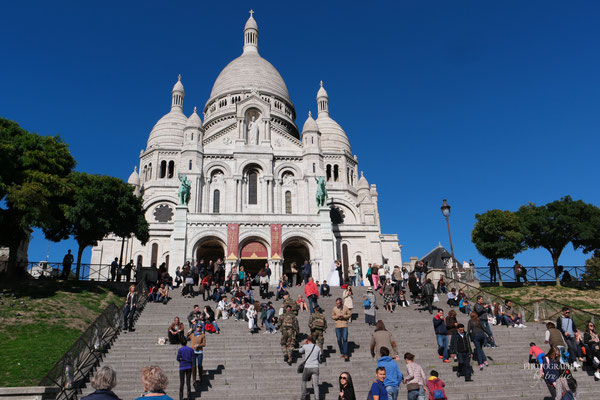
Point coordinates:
pixel 295 250
pixel 253 257
pixel 210 249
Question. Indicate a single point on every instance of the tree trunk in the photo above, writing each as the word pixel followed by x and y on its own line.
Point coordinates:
pixel 79 253
pixel 15 271
pixel 121 256
pixel 499 274
pixel 556 273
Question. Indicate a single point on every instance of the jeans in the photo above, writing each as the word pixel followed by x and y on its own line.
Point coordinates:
pixel 197 360
pixel 312 303
pixel 572 346
pixel 128 314
pixel 310 374
pixel 353 281
pixel 392 392
pixel 185 374
pixel 442 341
pixel 479 354
pixel 342 339
pixel 269 326
pixel 414 394
pixel 486 324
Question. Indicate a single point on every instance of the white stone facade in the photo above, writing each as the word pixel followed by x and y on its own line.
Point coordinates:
pixel 250 166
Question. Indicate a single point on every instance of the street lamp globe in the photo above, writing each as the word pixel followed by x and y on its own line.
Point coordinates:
pixel 445 208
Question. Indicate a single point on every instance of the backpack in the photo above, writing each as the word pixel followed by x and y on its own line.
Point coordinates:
pixel 438 394
pixel 210 328
pixel 428 289
pixel 367 303
pixel 318 323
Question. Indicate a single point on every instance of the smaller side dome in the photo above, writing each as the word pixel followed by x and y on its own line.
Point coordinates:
pixel 134 178
pixel 310 125
pixel 362 182
pixel 194 120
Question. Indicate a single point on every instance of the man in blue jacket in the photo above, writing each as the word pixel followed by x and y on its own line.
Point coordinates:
pixel 441 335
pixel 306 271
pixel 393 375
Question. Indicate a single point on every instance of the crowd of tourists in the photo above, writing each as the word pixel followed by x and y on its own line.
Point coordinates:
pixel 461 336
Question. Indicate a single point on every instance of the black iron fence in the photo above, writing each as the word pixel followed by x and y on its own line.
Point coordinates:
pixel 88 272
pixel 72 371
pixel 534 274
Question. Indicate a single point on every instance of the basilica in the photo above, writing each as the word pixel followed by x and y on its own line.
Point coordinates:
pixel 254 179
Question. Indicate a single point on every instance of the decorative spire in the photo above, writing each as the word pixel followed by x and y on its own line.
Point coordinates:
pixel 251 35
pixel 322 100
pixel 135 168
pixel 309 114
pixel 195 110
pixel 178 94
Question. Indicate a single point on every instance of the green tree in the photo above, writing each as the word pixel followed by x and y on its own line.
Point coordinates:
pixel 592 267
pixel 102 205
pixel 556 224
pixel 34 183
pixel 497 235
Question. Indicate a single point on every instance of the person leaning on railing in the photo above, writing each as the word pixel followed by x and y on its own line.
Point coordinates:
pixel 103 381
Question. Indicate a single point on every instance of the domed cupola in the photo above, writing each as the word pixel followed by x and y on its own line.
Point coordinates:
pixel 310 125
pixel 333 137
pixel 168 131
pixel 249 74
pixel 194 121
pixel 134 180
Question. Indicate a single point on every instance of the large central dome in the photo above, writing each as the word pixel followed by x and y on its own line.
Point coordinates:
pixel 250 71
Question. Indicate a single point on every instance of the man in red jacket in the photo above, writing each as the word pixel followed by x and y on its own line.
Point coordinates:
pixel 312 294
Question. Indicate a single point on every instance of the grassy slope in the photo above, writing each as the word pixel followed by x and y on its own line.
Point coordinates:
pixel 585 299
pixel 40 321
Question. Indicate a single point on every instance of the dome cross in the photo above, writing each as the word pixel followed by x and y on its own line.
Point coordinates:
pixel 252 13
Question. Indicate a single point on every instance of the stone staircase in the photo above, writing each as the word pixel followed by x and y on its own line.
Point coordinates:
pixel 238 365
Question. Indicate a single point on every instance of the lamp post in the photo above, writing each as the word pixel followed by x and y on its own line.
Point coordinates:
pixel 446 212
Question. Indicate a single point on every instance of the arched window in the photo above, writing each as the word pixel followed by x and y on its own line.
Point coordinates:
pixel 149 171
pixel 216 201
pixel 163 168
pixel 154 259
pixel 192 136
pixel 348 175
pixel 336 173
pixel 314 168
pixel 288 202
pixel 345 261
pixel 190 165
pixel 171 169
pixel 328 172
pixel 139 262
pixel 145 172
pixel 252 187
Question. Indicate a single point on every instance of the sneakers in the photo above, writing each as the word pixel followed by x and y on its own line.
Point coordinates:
pixel 446 361
pixel 597 375
pixel 522 326
pixel 576 365
pixel 486 364
pixel 441 357
pixel 481 367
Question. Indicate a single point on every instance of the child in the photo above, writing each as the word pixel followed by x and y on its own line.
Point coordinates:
pixel 302 303
pixel 435 386
pixel 402 299
pixel 537 354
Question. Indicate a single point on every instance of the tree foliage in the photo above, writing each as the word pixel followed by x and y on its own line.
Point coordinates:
pixel 498 234
pixel 556 224
pixel 102 205
pixel 592 267
pixel 34 183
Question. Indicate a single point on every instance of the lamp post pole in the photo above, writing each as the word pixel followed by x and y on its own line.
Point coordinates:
pixel 446 212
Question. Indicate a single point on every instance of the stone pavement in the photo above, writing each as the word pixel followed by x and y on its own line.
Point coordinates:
pixel 238 365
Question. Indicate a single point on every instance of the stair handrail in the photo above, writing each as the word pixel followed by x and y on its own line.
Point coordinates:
pixel 546 309
pixel 73 369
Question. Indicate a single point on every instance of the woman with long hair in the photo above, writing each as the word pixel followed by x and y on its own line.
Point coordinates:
pixel 477 330
pixel 550 369
pixel 592 342
pixel 346 387
pixel 347 298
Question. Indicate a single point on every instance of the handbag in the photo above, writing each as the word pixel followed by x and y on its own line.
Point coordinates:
pixel 412 386
pixel 301 365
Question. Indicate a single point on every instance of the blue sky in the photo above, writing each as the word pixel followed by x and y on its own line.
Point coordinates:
pixel 488 104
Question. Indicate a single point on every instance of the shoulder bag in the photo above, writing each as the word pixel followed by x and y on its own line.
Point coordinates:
pixel 301 365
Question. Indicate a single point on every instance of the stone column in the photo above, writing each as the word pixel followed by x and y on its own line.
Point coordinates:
pixel 178 240
pixel 327 244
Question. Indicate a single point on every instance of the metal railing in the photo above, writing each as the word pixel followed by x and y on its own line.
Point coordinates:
pixel 534 273
pixel 53 270
pixel 72 371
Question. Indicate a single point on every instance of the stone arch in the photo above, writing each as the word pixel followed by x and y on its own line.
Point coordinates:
pixel 209 247
pixel 211 166
pixel 346 207
pixel 296 249
pixel 159 199
pixel 287 166
pixel 253 266
pixel 244 166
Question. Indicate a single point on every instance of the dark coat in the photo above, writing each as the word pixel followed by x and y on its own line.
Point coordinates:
pixel 101 395
pixel 460 344
pixel 439 325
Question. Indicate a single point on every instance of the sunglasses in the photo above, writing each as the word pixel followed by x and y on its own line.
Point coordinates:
pixel 344 378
